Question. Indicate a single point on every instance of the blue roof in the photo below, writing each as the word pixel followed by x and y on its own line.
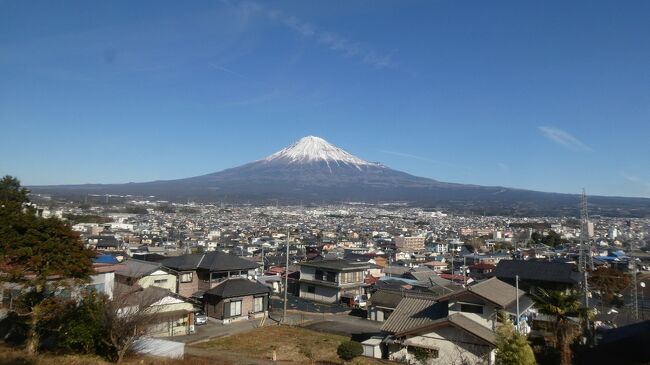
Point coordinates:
pixel 105 259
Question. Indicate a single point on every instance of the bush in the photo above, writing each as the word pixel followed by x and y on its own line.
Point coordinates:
pixel 349 350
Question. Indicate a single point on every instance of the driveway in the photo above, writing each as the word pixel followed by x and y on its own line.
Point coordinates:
pixel 215 329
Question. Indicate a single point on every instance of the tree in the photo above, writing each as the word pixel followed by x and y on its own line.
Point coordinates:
pixel 348 350
pixel 562 306
pixel 609 282
pixel 128 317
pixel 36 252
pixel 512 347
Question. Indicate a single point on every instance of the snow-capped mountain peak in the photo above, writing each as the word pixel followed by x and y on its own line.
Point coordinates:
pixel 313 149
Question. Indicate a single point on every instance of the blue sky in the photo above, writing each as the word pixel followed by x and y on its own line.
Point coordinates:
pixel 544 95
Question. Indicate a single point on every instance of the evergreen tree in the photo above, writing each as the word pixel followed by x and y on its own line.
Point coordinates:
pixel 39 253
pixel 512 347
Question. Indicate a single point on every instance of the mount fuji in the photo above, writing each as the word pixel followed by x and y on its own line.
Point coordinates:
pixel 314 171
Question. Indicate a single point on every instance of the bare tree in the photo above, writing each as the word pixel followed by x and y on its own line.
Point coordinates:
pixel 129 316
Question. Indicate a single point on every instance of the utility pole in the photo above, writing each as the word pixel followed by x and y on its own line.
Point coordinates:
pixel 464 271
pixel 517 296
pixel 585 260
pixel 286 281
pixel 635 292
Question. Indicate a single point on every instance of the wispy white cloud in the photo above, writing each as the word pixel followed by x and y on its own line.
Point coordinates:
pixel 631 178
pixel 503 166
pixel 227 70
pixel 637 181
pixel 425 159
pixel 331 40
pixel 564 138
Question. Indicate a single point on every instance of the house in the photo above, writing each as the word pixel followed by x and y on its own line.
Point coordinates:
pixel 103 280
pixel 482 301
pixel 538 274
pixel 453 328
pixel 171 315
pixel 382 303
pixel 421 325
pixel 144 274
pixel 198 273
pixel 236 299
pixel 481 270
pixel 329 281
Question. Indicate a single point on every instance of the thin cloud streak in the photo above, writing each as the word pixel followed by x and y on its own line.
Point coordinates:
pixel 638 181
pixel 331 40
pixel 227 70
pixel 564 138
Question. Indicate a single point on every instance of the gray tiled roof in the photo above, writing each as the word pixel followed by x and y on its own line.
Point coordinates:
pixel 558 272
pixel 414 312
pixel 457 320
pixel 237 287
pixel 212 261
pixel 386 298
pixel 496 291
pixel 136 268
pixel 340 265
pixel 473 327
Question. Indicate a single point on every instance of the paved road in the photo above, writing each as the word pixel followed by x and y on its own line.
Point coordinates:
pixel 346 325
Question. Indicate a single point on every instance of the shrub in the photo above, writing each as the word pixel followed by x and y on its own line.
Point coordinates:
pixel 348 350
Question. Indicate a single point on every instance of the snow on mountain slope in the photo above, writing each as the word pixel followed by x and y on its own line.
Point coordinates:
pixel 314 149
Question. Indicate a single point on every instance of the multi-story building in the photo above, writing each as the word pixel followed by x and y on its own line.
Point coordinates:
pixel 202 272
pixel 328 281
pixel 410 243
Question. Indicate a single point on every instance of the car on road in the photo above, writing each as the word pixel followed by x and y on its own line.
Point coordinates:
pixel 200 318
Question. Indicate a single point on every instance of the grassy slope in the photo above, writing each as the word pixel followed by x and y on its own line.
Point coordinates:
pixel 291 344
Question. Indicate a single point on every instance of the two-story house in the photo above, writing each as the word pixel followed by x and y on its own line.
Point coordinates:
pixel 198 273
pixel 454 328
pixel 328 281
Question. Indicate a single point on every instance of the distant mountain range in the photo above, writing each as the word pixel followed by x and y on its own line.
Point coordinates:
pixel 315 171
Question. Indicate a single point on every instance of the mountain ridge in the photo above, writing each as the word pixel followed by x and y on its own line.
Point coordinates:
pixel 313 170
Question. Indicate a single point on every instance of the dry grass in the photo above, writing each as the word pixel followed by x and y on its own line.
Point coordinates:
pixel 13 356
pixel 292 345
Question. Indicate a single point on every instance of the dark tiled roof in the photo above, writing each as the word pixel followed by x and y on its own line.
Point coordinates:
pixel 414 312
pixel 212 261
pixel 340 265
pixel 557 272
pixel 237 287
pixel 386 298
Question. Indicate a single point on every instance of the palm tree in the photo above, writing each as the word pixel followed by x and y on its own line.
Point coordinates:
pixel 562 306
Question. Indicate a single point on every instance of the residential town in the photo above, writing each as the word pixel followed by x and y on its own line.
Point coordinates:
pixel 410 285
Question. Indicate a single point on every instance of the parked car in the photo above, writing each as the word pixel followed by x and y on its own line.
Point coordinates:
pixel 200 318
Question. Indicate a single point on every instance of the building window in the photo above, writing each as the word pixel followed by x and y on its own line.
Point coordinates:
pixel 331 276
pixel 160 281
pixel 318 275
pixel 311 289
pixel 258 304
pixel 234 308
pixel 186 277
pixel 471 308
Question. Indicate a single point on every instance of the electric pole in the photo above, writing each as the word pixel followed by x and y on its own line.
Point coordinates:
pixel 286 281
